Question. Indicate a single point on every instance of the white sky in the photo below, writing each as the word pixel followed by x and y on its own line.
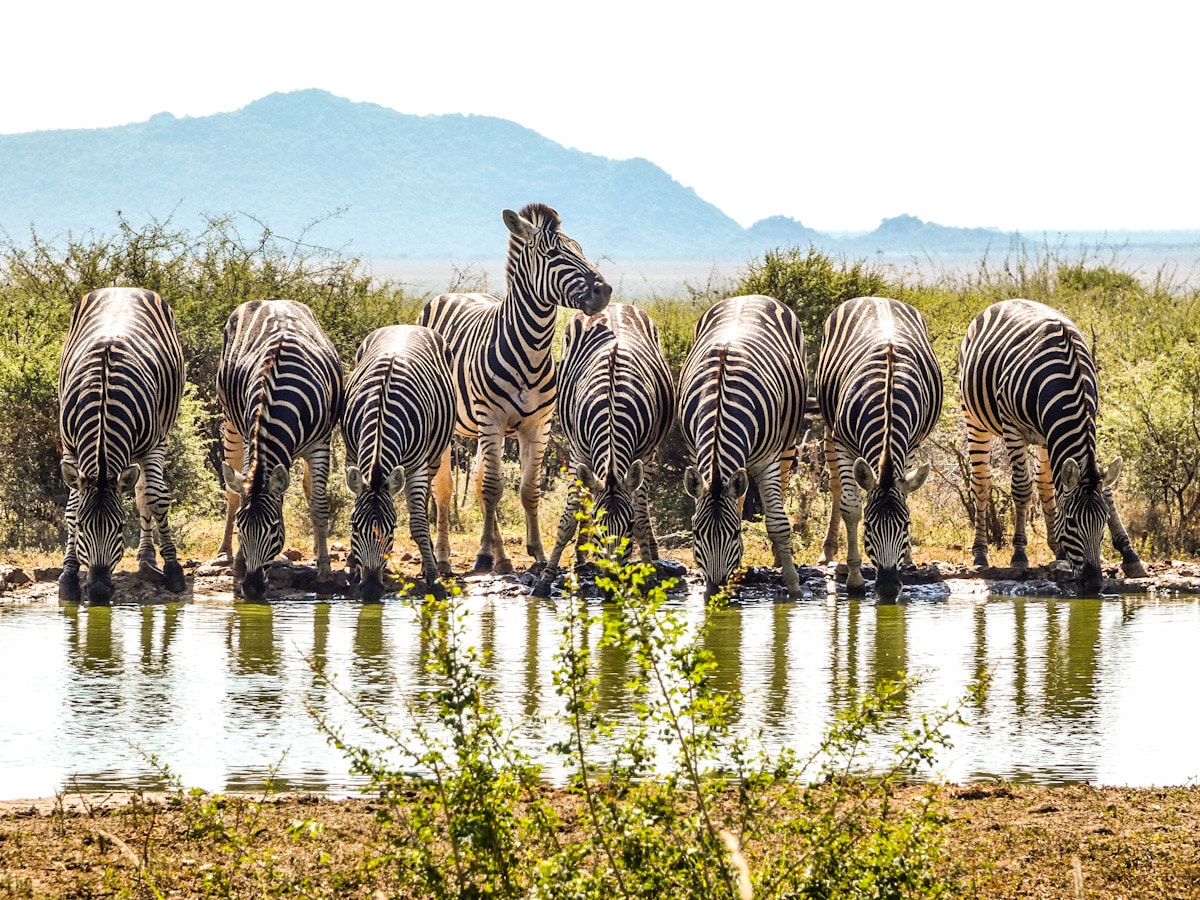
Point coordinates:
pixel 1030 114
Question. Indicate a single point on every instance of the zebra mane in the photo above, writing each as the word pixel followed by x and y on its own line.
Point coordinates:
pixel 1091 469
pixel 542 216
pixel 101 430
pixel 886 476
pixel 612 394
pixel 376 475
pixel 252 440
pixel 714 482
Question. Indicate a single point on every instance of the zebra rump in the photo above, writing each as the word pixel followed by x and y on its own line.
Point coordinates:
pixel 1026 375
pixel 879 388
pixel 120 382
pixel 616 403
pixel 280 388
pixel 398 421
pixel 742 396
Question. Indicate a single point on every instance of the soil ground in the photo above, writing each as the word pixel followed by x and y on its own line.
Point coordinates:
pixel 1004 841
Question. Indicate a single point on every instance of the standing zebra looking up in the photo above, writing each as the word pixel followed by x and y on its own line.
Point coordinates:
pixel 742 395
pixel 399 417
pixel 120 382
pixel 616 403
pixel 1026 375
pixel 504 373
pixel 279 384
pixel 879 388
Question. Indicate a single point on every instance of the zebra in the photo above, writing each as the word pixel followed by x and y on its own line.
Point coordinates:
pixel 1026 375
pixel 280 389
pixel 504 374
pixel 398 421
pixel 742 398
pixel 120 383
pixel 616 404
pixel 879 390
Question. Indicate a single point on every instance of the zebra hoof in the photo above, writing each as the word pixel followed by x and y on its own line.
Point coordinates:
pixel 856 590
pixel 444 570
pixel 541 588
pixel 1133 568
pixel 424 588
pixel 504 567
pixel 1019 560
pixel 68 588
pixel 538 568
pixel 148 570
pixel 483 564
pixel 173 577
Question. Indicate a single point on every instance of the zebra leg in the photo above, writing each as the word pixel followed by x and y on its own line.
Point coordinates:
pixel 416 495
pixel 979 450
pixel 316 481
pixel 489 481
pixel 443 487
pixel 235 455
pixel 1045 490
pixel 1131 564
pixel 532 437
pixel 568 525
pixel 1022 489
pixel 779 529
pixel 830 547
pixel 154 504
pixel 69 590
pixel 850 508
pixel 643 528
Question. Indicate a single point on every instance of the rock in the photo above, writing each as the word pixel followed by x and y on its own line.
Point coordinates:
pixel 669 568
pixel 12 576
pixel 338 546
pixel 211 571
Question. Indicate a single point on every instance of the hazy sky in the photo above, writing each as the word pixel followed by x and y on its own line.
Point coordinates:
pixel 1030 114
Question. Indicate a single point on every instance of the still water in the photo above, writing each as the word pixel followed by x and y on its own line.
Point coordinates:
pixel 1082 690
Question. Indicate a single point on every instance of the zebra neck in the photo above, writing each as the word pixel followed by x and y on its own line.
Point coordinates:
pixel 527 317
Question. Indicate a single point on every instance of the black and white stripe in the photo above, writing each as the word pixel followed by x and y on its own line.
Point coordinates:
pixel 120 382
pixel 281 392
pixel 616 404
pixel 1026 375
pixel 879 389
pixel 504 374
pixel 741 408
pixel 398 422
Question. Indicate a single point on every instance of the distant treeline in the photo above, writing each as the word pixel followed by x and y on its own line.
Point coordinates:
pixel 1145 334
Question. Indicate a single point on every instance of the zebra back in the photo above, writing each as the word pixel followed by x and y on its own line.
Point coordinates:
pixel 878 383
pixel 279 383
pixel 120 380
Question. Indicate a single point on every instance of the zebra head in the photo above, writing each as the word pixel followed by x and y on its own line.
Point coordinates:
pixel 372 526
pixel 614 495
pixel 100 524
pixel 886 521
pixel 259 523
pixel 716 525
pixel 545 263
pixel 1080 495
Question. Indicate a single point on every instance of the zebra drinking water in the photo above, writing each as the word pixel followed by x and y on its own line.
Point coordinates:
pixel 879 389
pixel 742 394
pixel 1026 375
pixel 504 374
pixel 280 388
pixel 616 403
pixel 398 422
pixel 120 382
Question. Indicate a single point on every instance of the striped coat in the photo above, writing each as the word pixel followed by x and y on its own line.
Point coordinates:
pixel 398 421
pixel 281 392
pixel 120 382
pixel 1026 375
pixel 616 404
pixel 742 397
pixel 879 389
pixel 504 374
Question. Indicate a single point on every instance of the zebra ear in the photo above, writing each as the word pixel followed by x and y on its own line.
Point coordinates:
pixel 520 228
pixel 280 479
pixel 1070 476
pixel 235 481
pixel 1112 473
pixel 354 480
pixel 633 478
pixel 739 483
pixel 128 478
pixel 70 474
pixel 395 482
pixel 864 475
pixel 584 473
pixel 914 479
pixel 693 483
